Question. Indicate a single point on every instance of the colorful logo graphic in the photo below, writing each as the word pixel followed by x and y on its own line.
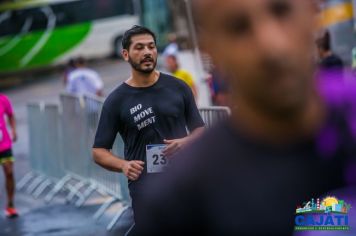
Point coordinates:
pixel 327 214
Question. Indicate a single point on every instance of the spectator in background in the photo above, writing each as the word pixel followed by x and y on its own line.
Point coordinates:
pixel 83 80
pixel 174 68
pixel 328 60
pixel 218 88
pixel 6 157
pixel 69 68
pixel 172 48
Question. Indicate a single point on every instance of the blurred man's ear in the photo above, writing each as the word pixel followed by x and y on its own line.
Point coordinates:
pixel 125 54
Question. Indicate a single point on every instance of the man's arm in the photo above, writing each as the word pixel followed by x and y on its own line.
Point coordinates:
pixel 195 91
pixel 12 122
pixel 99 93
pixel 175 145
pixel 104 158
pixel 98 84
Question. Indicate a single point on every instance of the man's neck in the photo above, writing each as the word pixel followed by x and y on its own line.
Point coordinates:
pixel 327 54
pixel 139 79
pixel 266 128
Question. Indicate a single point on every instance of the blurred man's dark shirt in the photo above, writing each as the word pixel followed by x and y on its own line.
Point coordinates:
pixel 332 62
pixel 230 184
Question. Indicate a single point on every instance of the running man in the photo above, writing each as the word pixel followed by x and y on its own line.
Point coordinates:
pixel 6 157
pixel 151 111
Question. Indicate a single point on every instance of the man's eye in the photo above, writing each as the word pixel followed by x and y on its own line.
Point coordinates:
pixel 239 26
pixel 280 8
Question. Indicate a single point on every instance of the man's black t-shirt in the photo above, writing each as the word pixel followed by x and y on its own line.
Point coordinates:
pixel 147 115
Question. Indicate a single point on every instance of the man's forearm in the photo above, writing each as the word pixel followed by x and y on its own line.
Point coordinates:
pixel 106 159
pixel 195 134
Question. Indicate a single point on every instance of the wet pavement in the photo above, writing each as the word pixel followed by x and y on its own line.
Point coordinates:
pixel 57 218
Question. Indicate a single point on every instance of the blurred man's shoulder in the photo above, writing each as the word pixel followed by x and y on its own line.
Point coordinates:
pixel 212 145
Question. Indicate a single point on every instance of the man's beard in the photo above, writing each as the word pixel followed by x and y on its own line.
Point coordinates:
pixel 138 67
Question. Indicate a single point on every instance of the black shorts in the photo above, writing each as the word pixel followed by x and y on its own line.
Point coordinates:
pixel 6 156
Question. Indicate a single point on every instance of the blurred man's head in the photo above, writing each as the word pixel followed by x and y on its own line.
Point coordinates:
pixel 80 62
pixel 265 47
pixel 139 49
pixel 172 38
pixel 172 63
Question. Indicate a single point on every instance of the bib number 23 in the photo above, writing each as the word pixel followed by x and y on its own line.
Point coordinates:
pixel 156 161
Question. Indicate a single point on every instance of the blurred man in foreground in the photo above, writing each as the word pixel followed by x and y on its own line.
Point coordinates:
pixel 286 142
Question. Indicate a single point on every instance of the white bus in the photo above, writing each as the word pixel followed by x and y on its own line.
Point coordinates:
pixel 37 33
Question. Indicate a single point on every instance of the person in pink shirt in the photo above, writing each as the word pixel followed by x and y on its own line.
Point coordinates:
pixel 6 158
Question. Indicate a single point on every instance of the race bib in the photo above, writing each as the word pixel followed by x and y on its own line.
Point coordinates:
pixel 156 162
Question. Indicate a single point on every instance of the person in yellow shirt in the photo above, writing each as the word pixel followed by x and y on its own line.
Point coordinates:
pixel 174 69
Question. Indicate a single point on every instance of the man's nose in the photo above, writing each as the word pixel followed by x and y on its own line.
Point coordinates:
pixel 147 51
pixel 272 39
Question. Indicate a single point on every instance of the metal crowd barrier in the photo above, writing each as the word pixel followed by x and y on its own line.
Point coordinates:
pixel 76 162
pixel 61 137
pixel 212 115
pixel 45 146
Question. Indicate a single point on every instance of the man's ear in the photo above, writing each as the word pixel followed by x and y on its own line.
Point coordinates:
pixel 125 54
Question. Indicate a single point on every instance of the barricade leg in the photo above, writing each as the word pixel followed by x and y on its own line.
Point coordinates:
pixel 74 191
pixel 58 187
pixel 36 182
pixel 129 230
pixel 117 218
pixel 92 187
pixel 25 180
pixel 104 207
pixel 42 188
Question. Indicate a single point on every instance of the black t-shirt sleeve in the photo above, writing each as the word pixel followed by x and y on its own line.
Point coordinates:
pixel 107 129
pixel 191 112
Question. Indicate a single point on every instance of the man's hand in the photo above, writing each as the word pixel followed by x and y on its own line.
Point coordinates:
pixel 133 169
pixel 173 146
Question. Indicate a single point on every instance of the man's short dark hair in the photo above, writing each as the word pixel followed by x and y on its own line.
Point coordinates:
pixel 135 30
pixel 324 42
pixel 80 61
